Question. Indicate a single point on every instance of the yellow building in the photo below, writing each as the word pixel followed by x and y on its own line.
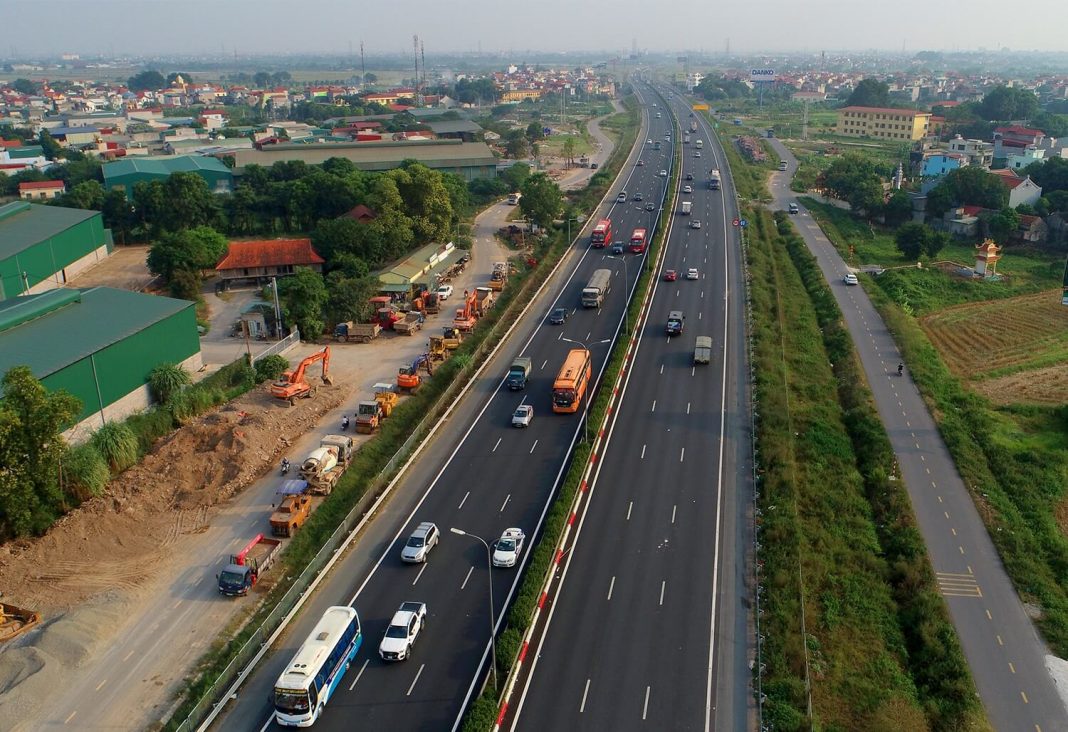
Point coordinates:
pixel 884 123
pixel 519 95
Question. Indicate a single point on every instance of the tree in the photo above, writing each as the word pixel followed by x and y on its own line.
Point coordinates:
pixel 1001 225
pixel 516 144
pixel 515 175
pixel 52 149
pixel 1058 201
pixel 718 87
pixel 869 93
pixel 146 81
pixel 261 79
pixel 24 86
pixel 898 209
pixel 118 214
pixel 370 78
pixel 911 240
pixel 1051 174
pixel 88 195
pixel 181 201
pixel 968 185
pixel 853 179
pixel 32 448
pixel 179 257
pixel 568 149
pixel 426 200
pixel 936 242
pixel 541 200
pixel 1054 125
pixel 534 132
pixel 303 297
pixel 350 296
pixel 1005 103
pixel 173 77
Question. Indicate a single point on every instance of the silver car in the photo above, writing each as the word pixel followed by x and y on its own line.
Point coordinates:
pixel 423 539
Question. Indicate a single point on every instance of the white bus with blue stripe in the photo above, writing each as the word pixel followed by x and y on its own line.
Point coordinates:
pixel 310 679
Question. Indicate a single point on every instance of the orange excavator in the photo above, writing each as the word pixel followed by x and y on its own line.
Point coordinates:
pixel 408 375
pixel 292 385
pixel 467 316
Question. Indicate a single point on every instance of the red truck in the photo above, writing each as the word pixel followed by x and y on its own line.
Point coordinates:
pixel 246 566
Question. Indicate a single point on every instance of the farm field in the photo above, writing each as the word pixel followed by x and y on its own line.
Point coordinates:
pixel 1011 350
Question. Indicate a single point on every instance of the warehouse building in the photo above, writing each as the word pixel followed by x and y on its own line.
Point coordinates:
pixel 43 247
pixel 128 172
pixel 99 344
pixel 470 160
pixel 421 270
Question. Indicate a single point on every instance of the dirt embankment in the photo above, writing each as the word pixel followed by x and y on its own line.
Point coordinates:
pixel 84 573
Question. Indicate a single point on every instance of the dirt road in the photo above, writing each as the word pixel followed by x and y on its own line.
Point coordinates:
pixel 122 653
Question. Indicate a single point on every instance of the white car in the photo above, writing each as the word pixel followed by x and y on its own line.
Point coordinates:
pixel 687 189
pixel 850 279
pixel 508 548
pixel 407 623
pixel 445 292
pixel 697 154
pixel 692 274
pixel 649 141
pixel 663 173
pixel 423 539
pixel 523 415
pixel 695 224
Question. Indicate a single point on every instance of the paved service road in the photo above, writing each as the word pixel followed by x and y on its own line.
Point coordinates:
pixel 648 628
pixel 483 480
pixel 1005 653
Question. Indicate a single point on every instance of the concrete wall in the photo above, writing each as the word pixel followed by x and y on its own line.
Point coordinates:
pixel 65 275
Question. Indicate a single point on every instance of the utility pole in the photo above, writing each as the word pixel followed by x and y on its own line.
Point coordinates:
pixel 415 54
pixel 363 66
pixel 422 60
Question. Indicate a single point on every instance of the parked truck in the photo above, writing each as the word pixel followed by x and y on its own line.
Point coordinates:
pixel 361 332
pixel 594 293
pixel 518 373
pixel 713 179
pixel 290 514
pixel 484 299
pixel 325 464
pixel 499 276
pixel 246 567
pixel 513 199
pixel 687 206
pixel 410 323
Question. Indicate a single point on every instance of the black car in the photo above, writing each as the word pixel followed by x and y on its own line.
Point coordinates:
pixel 617 248
pixel 689 176
pixel 558 316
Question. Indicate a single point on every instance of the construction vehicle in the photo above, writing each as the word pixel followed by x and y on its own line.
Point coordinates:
pixel 386 395
pixel 436 348
pixel 385 312
pixel 245 567
pixel 290 514
pixel 432 303
pixel 466 317
pixel 292 385
pixel 369 415
pixel 452 338
pixel 325 464
pixel 408 375
pixel 361 332
pixel 14 621
pixel 410 323
pixel 499 276
pixel 517 374
pixel 484 299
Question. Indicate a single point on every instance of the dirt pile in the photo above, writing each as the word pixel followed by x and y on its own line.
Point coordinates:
pixel 114 541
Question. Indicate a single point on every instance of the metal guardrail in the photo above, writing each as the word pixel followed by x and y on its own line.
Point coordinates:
pixel 279 347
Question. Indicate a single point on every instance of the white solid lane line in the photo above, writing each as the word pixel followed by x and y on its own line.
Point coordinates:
pixel 497 445
pixel 533 446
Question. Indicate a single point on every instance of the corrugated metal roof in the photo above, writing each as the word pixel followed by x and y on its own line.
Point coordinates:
pixel 24 224
pixel 389 153
pixel 101 316
pixel 163 166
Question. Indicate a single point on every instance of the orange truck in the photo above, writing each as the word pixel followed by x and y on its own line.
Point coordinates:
pixel 290 514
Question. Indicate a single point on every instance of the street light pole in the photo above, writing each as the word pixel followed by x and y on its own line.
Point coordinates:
pixel 626 277
pixel 489 567
pixel 586 407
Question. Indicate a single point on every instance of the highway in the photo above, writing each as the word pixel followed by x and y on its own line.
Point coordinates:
pixel 649 627
pixel 481 476
pixel 1006 655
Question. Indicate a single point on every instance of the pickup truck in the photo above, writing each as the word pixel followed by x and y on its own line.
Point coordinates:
pixel 246 566
pixel 290 514
pixel 518 373
pixel 404 629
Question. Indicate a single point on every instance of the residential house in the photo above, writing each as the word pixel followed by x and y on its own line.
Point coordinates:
pixel 1032 229
pixel 41 190
pixel 1021 159
pixel 263 259
pixel 979 153
pixel 360 213
pixel 962 221
pixel 1014 138
pixel 885 123
pixel 1021 190
pixel 937 163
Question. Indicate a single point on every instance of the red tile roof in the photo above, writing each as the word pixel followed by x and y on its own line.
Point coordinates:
pixel 41 185
pixel 1018 130
pixel 1013 182
pixel 269 253
pixel 972 210
pixel 361 213
pixel 1005 173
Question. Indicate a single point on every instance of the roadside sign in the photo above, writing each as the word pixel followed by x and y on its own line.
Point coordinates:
pixel 758 75
pixel 736 222
pixel 743 223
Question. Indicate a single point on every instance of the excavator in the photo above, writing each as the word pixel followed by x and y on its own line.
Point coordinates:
pixel 408 375
pixel 15 621
pixel 292 385
pixel 467 317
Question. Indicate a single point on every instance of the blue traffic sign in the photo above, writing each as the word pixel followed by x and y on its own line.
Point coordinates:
pixel 743 223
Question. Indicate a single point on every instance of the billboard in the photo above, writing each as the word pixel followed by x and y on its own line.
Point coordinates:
pixel 700 107
pixel 757 75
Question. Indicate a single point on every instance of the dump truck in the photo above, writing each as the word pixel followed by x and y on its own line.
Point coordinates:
pixel 325 464
pixel 410 323
pixel 596 290
pixel 499 276
pixel 484 299
pixel 518 373
pixel 359 332
pixel 291 513
pixel 246 567
pixel 432 303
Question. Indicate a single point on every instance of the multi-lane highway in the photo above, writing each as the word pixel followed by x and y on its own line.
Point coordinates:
pixel 648 628
pixel 487 478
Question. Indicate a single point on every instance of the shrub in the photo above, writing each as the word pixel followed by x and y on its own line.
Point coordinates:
pixel 270 368
pixel 166 380
pixel 117 444
pixel 85 472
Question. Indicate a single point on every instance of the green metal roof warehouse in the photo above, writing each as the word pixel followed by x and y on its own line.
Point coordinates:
pixel 99 344
pixel 42 246
pixel 128 172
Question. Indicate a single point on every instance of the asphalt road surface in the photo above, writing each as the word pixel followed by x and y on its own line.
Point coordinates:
pixel 1006 655
pixel 482 480
pixel 648 630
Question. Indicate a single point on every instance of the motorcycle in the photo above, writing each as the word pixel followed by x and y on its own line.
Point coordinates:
pixel 285 466
pixel 344 423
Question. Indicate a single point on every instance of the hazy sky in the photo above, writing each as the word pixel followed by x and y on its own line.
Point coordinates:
pixel 386 26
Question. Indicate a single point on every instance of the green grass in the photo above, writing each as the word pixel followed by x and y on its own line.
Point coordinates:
pixel 882 652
